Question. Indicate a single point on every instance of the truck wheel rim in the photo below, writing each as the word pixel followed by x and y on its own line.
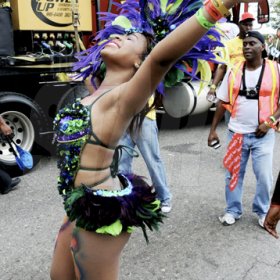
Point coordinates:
pixel 24 134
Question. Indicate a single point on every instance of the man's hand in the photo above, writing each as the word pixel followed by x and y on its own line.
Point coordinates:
pixel 213 136
pixel 211 95
pixel 262 130
pixel 5 129
pixel 271 220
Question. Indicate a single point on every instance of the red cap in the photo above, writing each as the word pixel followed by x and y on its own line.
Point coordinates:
pixel 246 15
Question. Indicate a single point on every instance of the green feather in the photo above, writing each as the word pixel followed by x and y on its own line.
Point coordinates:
pixel 172 8
pixel 163 4
pixel 205 74
pixel 113 229
pixel 123 22
pixel 173 77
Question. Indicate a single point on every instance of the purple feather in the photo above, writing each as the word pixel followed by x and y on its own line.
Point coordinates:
pixel 155 22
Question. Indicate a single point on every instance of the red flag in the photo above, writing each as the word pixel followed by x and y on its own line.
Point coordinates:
pixel 232 159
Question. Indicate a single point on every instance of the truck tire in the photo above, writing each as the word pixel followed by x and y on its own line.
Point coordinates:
pixel 27 120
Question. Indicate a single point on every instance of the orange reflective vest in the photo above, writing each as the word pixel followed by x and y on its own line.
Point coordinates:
pixel 268 94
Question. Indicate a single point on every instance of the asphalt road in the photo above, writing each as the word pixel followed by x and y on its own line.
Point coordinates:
pixel 191 245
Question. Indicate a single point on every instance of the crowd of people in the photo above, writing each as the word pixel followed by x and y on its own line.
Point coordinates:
pixel 103 199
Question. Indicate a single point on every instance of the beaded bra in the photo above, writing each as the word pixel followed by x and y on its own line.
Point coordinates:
pixel 73 131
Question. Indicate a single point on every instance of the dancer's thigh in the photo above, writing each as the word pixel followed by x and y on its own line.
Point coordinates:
pixel 62 264
pixel 97 255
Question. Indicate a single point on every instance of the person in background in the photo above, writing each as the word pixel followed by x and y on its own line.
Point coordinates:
pixel 6 182
pixel 235 54
pixel 269 44
pixel 273 215
pixel 147 143
pixel 229 29
pixel 274 50
pixel 253 100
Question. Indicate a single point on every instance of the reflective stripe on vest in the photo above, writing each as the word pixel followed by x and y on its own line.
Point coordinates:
pixel 268 94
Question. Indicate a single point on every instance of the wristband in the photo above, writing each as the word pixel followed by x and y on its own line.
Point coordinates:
pixel 269 123
pixel 214 87
pixel 219 5
pixel 272 118
pixel 212 11
pixel 202 20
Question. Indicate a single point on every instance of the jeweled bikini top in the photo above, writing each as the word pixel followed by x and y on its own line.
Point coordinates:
pixel 73 131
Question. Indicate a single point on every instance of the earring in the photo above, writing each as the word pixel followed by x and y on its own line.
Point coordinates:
pixel 136 65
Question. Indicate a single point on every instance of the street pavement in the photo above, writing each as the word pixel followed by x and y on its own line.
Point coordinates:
pixel 191 244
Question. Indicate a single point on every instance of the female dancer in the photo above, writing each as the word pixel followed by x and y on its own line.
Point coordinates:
pixel 103 208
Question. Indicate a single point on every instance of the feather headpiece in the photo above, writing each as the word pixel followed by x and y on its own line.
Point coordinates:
pixel 156 18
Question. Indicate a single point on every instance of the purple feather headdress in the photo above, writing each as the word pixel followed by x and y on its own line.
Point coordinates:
pixel 156 18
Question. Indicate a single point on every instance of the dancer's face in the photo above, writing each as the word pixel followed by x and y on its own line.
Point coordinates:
pixel 125 50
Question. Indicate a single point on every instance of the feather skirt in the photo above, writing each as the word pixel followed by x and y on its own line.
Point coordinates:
pixel 114 212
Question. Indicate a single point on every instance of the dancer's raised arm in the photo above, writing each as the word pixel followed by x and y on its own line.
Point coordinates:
pixel 176 29
pixel 169 50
